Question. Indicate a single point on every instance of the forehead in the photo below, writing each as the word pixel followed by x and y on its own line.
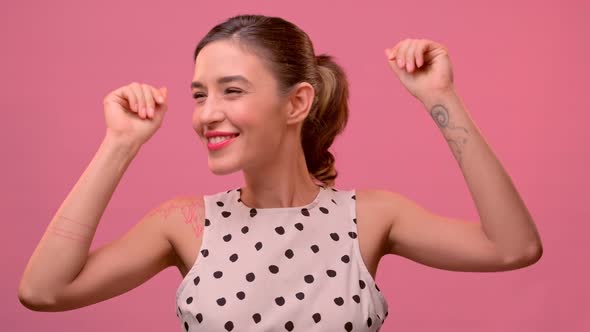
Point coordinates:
pixel 225 58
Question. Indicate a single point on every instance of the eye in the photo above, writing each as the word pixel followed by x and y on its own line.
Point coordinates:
pixel 233 90
pixel 199 95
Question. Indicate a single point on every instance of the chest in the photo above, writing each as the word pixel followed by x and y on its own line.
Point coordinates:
pixel 372 231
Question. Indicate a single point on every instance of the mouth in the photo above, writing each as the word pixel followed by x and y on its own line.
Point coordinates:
pixel 219 142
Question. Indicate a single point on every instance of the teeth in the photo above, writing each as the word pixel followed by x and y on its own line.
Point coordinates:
pixel 218 139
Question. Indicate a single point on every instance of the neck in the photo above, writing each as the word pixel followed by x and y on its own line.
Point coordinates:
pixel 281 182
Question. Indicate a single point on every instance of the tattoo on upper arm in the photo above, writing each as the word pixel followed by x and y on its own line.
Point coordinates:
pixel 456 138
pixel 190 209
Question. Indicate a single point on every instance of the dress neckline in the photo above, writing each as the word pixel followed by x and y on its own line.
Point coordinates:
pixel 303 209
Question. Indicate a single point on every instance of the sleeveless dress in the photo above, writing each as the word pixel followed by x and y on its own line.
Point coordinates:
pixel 280 269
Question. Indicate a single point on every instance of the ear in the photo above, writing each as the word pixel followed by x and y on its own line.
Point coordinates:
pixel 300 101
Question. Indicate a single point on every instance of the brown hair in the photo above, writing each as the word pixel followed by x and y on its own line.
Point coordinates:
pixel 289 54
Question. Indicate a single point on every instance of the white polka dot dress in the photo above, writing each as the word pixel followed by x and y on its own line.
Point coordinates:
pixel 280 269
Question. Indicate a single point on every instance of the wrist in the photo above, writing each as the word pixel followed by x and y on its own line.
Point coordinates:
pixel 439 97
pixel 120 145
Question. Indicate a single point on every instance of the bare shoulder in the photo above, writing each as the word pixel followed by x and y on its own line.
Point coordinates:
pixel 375 211
pixel 380 204
pixel 182 218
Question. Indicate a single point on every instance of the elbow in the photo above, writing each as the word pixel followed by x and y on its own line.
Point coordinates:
pixel 31 301
pixel 532 256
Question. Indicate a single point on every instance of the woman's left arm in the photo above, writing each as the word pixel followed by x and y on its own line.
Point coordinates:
pixel 504 217
pixel 424 68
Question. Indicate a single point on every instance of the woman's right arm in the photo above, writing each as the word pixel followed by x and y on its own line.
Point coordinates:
pixel 60 274
pixel 63 249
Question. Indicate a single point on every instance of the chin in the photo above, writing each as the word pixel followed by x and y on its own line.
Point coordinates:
pixel 222 168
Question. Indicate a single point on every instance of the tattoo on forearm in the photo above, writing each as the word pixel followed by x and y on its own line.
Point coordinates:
pixel 70 229
pixel 190 209
pixel 457 137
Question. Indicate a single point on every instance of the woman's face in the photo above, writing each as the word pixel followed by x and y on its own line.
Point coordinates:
pixel 234 92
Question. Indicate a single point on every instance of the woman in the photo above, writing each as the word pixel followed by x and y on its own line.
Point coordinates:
pixel 287 251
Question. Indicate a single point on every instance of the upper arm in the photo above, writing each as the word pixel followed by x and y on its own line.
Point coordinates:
pixel 121 265
pixel 441 242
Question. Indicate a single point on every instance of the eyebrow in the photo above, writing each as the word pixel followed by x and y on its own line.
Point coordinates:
pixel 224 79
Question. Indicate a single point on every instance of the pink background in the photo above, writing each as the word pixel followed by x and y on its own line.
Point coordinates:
pixel 520 67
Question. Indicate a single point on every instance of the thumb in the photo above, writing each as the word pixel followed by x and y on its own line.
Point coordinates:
pixel 394 67
pixel 164 91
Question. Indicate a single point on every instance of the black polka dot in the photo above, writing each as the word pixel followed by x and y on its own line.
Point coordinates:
pixel 333 201
pixel 227 237
pixel 205 252
pixel 217 274
pixel 258 246
pixel 186 326
pixel 250 277
pixel 244 229
pixel 331 273
pixel 345 258
pixel 289 326
pixel 369 322
pixel 354 220
pixel 226 214
pixel 353 197
pixel 299 226
pixel 273 269
pixel 253 212
pixel 207 222
pixel 339 301
pixel 221 301
pixel 324 210
pixel 229 325
pixel 189 300
pixel 308 278
pixel 233 257
pixel 377 287
pixel 241 295
pixel 348 326
pixel 289 253
pixel 219 203
pixel 199 317
pixel 352 235
pixel 317 317
pixel 280 300
pixel 334 236
pixel 315 248
pixel 356 298
pixel 305 212
pixel 300 295
pixel 196 280
pixel 256 317
pixel 280 230
pixel 362 284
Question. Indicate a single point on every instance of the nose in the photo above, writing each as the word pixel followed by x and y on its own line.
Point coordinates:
pixel 210 112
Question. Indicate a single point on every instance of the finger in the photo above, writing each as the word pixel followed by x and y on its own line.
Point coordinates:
pixel 138 90
pixel 419 53
pixel 128 94
pixel 410 61
pixel 401 57
pixel 158 96
pixel 392 52
pixel 149 100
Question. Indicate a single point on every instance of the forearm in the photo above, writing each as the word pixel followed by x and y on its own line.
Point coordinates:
pixel 63 248
pixel 504 216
